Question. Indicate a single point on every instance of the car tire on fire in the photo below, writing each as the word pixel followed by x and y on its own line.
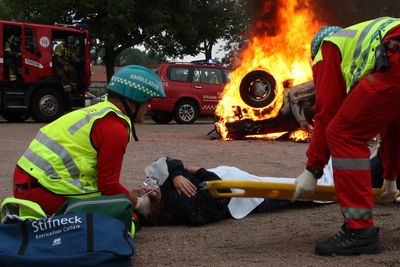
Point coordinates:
pixel 257 89
pixel 186 112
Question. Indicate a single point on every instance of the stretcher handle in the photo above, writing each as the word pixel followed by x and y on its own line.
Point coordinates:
pixel 270 190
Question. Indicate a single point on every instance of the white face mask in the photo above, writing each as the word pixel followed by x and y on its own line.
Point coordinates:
pixel 158 170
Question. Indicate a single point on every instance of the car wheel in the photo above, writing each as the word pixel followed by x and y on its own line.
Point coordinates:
pixel 15 116
pixel 257 89
pixel 47 104
pixel 186 112
pixel 161 117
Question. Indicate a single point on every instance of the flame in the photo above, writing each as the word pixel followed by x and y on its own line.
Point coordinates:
pixel 285 56
pixel 271 136
pixel 300 136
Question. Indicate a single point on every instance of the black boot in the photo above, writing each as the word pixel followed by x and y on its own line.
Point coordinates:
pixel 351 242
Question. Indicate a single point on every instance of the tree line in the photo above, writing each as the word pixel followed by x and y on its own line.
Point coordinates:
pixel 165 28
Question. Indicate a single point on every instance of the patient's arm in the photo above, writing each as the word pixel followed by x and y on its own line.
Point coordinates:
pixel 184 186
pixel 191 168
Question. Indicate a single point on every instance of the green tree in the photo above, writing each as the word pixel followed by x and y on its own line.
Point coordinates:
pixel 169 28
pixel 133 56
pixel 195 26
pixel 115 25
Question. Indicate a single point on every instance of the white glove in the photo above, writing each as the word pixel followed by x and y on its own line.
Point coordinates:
pixel 143 206
pixel 305 185
pixel 390 191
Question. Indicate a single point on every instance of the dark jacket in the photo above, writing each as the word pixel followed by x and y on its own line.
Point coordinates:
pixel 198 210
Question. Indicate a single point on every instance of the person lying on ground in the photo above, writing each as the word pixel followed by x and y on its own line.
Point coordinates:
pixel 179 200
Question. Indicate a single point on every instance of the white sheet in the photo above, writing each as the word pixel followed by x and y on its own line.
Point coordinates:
pixel 241 207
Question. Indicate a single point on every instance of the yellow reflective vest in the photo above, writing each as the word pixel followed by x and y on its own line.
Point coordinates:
pixel 64 52
pixel 357 46
pixel 61 156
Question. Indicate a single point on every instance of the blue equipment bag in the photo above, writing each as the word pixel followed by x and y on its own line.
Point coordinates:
pixel 70 240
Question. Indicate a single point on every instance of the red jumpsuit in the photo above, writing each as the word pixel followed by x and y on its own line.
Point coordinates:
pixel 110 137
pixel 343 125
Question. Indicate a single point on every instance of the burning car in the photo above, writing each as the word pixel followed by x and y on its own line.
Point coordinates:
pixel 270 93
pixel 258 90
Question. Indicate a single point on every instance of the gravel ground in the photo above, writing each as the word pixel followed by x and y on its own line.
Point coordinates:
pixel 284 237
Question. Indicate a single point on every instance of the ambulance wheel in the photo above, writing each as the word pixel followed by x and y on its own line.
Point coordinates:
pixel 186 112
pixel 47 104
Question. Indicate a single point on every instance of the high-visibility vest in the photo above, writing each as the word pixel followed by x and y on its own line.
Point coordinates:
pixel 64 52
pixel 61 156
pixel 357 46
pixel 24 209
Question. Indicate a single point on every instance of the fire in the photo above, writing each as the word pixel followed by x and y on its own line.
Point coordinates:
pixel 300 136
pixel 285 56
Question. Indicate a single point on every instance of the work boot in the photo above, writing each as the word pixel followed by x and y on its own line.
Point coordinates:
pixel 351 242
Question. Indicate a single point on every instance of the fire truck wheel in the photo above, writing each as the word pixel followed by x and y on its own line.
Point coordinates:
pixel 257 89
pixel 161 117
pixel 15 116
pixel 186 112
pixel 47 104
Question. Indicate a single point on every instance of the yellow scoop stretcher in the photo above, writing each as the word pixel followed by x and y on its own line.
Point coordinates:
pixel 272 190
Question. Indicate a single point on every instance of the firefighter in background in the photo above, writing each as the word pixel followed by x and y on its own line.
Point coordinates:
pixel 357 84
pixel 81 153
pixel 65 59
pixel 12 57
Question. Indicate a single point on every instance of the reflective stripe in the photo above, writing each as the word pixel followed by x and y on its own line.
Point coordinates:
pixel 365 54
pixel 78 183
pixel 82 122
pixel 351 164
pixel 41 164
pixel 363 35
pixel 346 33
pixel 66 158
pixel 357 213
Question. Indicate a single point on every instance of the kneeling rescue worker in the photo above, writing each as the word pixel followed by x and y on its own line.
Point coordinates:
pixel 357 83
pixel 81 153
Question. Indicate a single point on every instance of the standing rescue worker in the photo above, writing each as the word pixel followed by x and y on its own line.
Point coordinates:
pixel 64 61
pixel 357 83
pixel 81 153
pixel 12 57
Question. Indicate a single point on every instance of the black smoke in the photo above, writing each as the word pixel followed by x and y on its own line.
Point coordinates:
pixel 342 13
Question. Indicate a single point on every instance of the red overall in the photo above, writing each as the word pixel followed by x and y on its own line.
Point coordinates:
pixel 345 123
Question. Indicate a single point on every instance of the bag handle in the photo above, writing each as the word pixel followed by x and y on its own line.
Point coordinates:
pixel 25 238
pixel 89 233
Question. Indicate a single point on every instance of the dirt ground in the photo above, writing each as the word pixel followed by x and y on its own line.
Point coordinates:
pixel 284 237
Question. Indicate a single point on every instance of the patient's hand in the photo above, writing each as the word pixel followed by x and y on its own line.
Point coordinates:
pixel 184 186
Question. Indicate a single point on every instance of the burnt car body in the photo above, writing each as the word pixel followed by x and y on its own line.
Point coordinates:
pixel 257 90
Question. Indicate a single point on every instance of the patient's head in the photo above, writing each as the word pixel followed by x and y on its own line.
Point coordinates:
pixel 156 214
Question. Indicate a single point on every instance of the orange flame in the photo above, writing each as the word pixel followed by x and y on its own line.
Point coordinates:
pixel 285 56
pixel 300 136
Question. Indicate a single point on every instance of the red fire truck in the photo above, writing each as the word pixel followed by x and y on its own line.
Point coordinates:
pixel 38 91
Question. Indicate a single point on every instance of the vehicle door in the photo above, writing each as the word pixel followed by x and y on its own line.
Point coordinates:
pixel 36 47
pixel 178 82
pixel 208 84
pixel 8 30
